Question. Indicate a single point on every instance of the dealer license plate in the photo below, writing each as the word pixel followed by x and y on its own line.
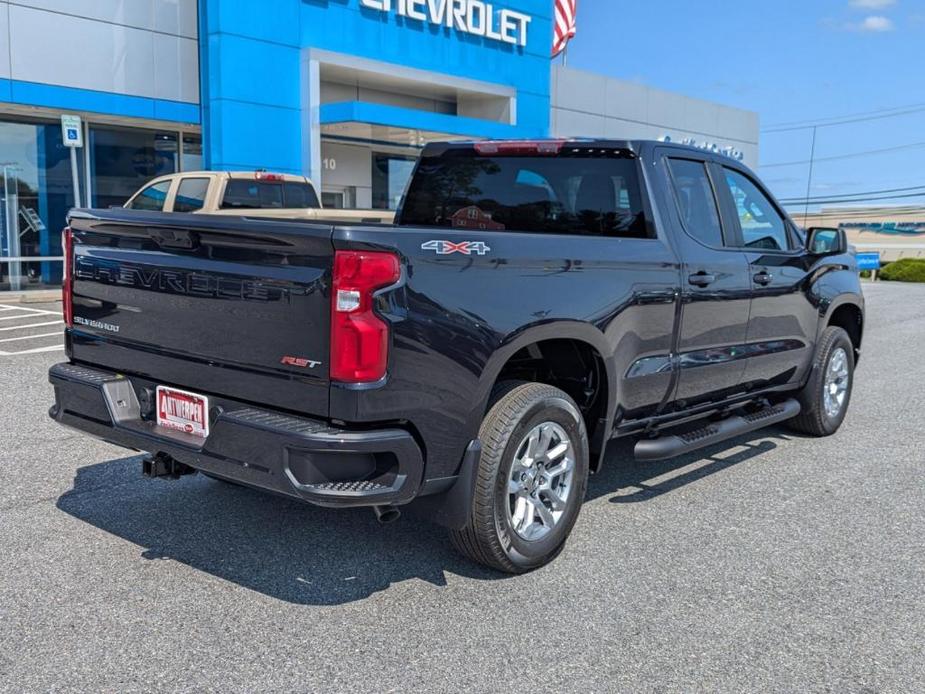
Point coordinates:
pixel 182 411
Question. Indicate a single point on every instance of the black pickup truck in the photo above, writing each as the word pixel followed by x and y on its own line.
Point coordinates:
pixel 533 301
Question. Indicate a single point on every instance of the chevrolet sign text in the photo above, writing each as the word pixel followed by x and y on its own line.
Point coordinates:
pixel 469 16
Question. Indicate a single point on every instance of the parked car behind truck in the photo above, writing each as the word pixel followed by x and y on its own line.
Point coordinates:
pixel 250 193
pixel 533 301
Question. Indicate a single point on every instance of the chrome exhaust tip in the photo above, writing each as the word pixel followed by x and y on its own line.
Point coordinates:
pixel 386 514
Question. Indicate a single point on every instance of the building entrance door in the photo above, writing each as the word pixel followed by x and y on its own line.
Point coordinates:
pixel 338 197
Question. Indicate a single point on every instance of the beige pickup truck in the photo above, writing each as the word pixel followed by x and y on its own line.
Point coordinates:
pixel 245 193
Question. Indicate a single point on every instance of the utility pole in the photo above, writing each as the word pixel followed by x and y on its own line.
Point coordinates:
pixel 809 178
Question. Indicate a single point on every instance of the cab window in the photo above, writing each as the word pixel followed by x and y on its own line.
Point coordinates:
pixel 241 194
pixel 696 201
pixel 191 194
pixel 763 227
pixel 299 195
pixel 584 193
pixel 151 198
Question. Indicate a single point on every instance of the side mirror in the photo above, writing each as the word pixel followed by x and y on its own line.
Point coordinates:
pixel 826 241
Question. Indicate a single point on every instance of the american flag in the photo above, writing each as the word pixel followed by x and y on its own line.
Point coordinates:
pixel 565 25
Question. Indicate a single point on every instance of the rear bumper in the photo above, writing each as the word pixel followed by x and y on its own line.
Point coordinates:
pixel 297 456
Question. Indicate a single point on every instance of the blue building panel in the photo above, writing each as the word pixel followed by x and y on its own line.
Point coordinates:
pixel 76 99
pixel 273 21
pixel 255 90
pixel 249 136
pixel 253 71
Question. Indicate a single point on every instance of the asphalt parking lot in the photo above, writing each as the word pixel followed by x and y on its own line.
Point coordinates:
pixel 774 563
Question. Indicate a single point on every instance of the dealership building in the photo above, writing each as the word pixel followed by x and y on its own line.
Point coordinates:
pixel 343 91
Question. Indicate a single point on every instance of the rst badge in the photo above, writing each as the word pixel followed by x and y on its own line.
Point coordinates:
pixel 444 247
pixel 301 362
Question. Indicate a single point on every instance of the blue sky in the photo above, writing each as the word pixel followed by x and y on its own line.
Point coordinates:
pixel 789 61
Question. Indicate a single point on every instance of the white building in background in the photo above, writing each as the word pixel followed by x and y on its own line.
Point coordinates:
pixel 587 104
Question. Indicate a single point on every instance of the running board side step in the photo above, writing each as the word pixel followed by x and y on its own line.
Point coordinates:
pixel 673 445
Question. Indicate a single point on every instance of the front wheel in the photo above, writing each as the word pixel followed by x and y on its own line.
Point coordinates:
pixel 825 397
pixel 531 482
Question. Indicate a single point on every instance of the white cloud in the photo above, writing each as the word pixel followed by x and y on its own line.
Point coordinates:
pixel 876 23
pixel 872 4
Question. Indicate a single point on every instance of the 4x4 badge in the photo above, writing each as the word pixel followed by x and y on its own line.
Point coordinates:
pixel 444 247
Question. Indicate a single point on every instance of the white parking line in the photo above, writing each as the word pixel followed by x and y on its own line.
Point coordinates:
pixel 30 337
pixel 32 325
pixel 13 312
pixel 32 351
pixel 28 315
pixel 27 309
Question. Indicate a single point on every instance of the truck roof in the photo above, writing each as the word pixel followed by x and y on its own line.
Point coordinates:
pixel 249 175
pixel 634 146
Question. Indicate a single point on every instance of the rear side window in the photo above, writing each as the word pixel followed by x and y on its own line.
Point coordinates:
pixel 577 193
pixel 696 201
pixel 191 194
pixel 151 198
pixel 299 195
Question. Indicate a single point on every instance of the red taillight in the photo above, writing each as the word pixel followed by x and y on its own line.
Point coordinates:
pixel 67 280
pixel 360 338
pixel 264 176
pixel 513 148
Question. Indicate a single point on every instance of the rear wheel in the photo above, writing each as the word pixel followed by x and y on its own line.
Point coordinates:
pixel 825 397
pixel 531 481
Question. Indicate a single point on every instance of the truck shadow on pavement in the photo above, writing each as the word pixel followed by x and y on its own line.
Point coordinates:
pixel 302 554
pixel 630 481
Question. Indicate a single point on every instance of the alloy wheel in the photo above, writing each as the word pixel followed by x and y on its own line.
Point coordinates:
pixel 540 483
pixel 835 387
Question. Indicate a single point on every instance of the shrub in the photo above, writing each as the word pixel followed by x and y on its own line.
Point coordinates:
pixel 904 270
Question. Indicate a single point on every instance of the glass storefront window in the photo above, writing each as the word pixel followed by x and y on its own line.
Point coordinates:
pixel 390 176
pixel 36 188
pixel 36 191
pixel 122 160
pixel 191 158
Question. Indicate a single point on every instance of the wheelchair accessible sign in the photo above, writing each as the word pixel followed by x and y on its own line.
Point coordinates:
pixel 71 131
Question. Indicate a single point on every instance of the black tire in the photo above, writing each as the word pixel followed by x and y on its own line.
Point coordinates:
pixel 489 537
pixel 813 418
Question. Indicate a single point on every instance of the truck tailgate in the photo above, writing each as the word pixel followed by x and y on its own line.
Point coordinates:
pixel 226 305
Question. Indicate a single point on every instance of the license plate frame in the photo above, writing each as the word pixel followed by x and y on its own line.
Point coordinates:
pixel 175 418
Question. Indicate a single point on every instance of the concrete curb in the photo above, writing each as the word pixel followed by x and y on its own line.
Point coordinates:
pixel 34 296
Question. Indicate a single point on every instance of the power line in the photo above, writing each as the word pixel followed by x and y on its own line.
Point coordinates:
pixel 846 120
pixel 851 195
pixel 797 203
pixel 898 209
pixel 816 121
pixel 867 214
pixel 911 145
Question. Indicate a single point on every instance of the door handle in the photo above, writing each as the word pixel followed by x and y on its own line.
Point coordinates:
pixel 701 279
pixel 763 278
